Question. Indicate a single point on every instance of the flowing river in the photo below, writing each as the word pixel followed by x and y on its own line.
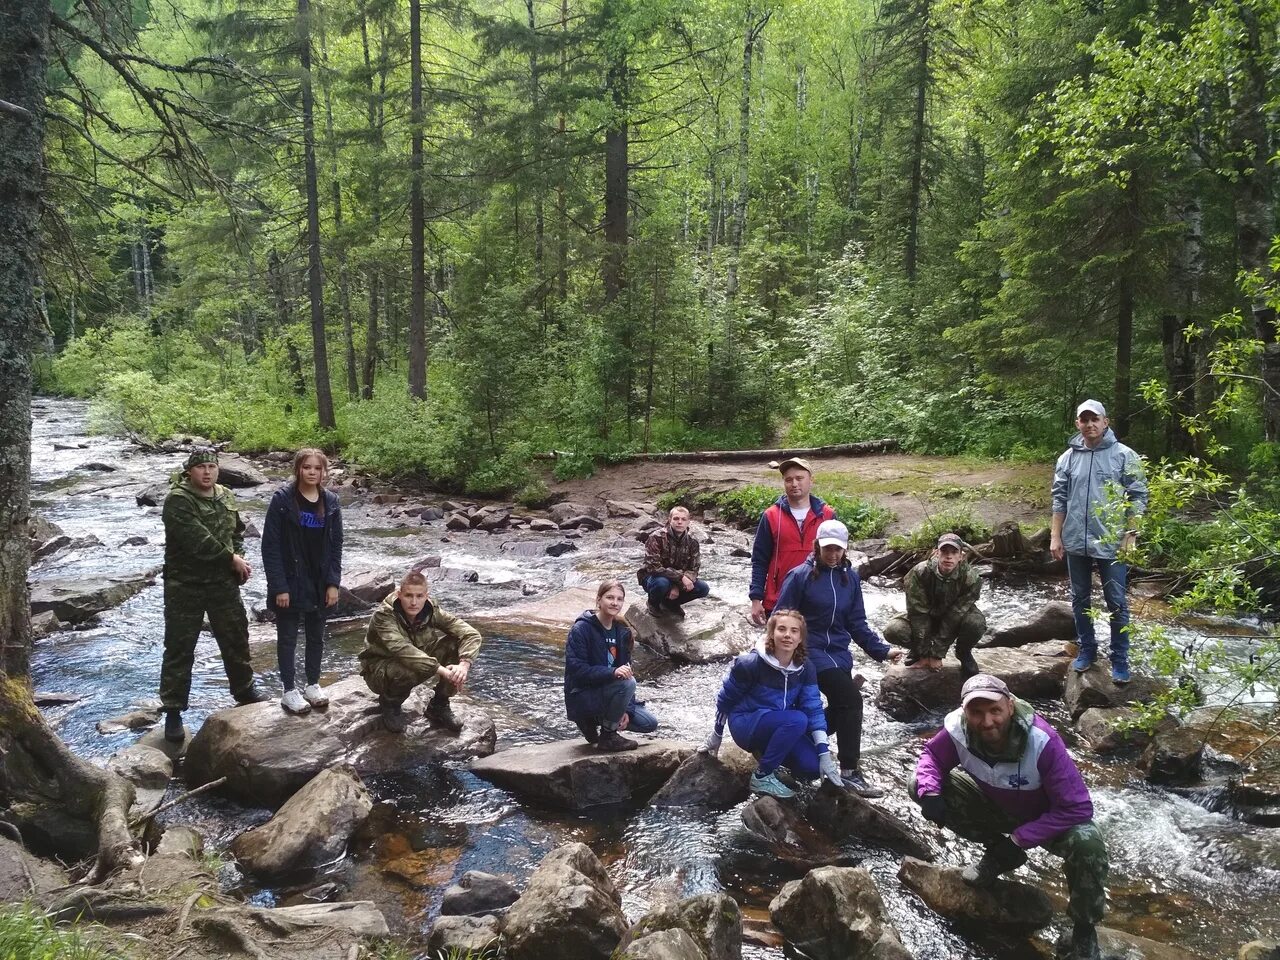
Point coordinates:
pixel 1181 874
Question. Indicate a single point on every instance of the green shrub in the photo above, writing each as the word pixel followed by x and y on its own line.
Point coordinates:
pixel 533 494
pixel 961 520
pixel 27 934
pixel 573 465
pixel 863 518
pixel 743 506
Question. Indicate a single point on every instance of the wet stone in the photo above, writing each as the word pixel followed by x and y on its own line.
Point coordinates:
pixel 75 601
pixel 133 720
pixel 1174 758
pixel 703 781
pixel 1009 905
pixel 711 921
pixel 1053 621
pixel 1103 728
pixel 463 936
pixel 570 910
pixel 842 815
pixel 478 892
pixel 1094 688
pixel 710 631
pixel 836 913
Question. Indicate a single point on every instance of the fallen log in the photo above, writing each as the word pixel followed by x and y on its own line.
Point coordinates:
pixel 705 456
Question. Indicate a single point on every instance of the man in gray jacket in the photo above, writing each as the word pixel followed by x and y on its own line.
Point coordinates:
pixel 1099 492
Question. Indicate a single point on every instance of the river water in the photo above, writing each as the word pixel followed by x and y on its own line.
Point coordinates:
pixel 1181 874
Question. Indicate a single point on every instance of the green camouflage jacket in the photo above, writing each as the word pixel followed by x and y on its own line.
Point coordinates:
pixel 391 636
pixel 936 604
pixel 201 534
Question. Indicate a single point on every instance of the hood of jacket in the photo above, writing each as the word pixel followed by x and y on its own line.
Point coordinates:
pixel 1109 439
pixel 772 661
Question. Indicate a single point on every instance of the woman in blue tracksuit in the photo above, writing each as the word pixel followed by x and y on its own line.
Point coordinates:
pixel 771 702
pixel 599 687
pixel 827 592
pixel 302 558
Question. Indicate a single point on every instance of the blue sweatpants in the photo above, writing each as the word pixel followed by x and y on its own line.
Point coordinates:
pixel 781 738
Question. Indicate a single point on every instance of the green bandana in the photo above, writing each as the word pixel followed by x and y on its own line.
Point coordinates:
pixel 200 455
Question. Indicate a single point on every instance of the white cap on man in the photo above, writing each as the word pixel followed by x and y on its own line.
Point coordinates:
pixel 833 533
pixel 1091 406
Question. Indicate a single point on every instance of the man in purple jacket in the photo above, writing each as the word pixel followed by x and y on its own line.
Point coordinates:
pixel 999 775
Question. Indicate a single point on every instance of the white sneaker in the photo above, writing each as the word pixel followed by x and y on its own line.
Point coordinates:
pixel 315 696
pixel 293 703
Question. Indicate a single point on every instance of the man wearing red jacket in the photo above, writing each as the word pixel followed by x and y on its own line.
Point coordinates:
pixel 784 537
pixel 999 775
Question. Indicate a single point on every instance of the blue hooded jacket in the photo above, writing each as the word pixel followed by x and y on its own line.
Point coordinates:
pixel 757 684
pixel 831 604
pixel 1099 492
pixel 586 665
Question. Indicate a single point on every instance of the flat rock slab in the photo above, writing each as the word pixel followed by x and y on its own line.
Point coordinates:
pixel 1009 905
pixel 710 631
pixel 573 775
pixel 1053 621
pixel 78 600
pixel 267 755
pixel 547 619
pixel 1034 672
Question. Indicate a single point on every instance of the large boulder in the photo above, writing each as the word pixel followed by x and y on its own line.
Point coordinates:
pixel 1053 621
pixel 1034 672
pixel 1008 906
pixel 268 755
pixel 788 835
pixel 836 913
pixel 563 512
pixel 842 815
pixel 673 944
pixel 573 775
pixel 76 600
pixel 463 937
pixel 710 631
pixel 704 781
pixel 1247 737
pixel 1174 758
pixel 362 589
pixel 477 892
pixel 238 472
pixel 546 619
pixel 311 829
pixel 570 910
pixel 1094 688
pixel 713 921
pixel 1108 729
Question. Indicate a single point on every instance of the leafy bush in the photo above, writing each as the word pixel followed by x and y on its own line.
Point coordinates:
pixel 961 520
pixel 743 506
pixel 27 934
pixel 573 465
pixel 533 494
pixel 395 435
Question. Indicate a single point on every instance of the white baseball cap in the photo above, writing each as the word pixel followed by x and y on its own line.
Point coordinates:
pixel 1091 406
pixel 833 533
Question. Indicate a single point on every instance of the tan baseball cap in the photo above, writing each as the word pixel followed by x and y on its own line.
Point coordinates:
pixel 783 465
pixel 983 686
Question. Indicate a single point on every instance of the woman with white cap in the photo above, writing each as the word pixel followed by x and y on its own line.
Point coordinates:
pixel 827 591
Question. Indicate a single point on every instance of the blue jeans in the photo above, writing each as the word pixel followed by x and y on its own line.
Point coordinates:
pixel 287 643
pixel 642 721
pixel 659 587
pixel 1113 575
pixel 781 737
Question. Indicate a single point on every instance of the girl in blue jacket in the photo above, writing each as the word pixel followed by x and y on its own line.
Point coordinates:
pixel 771 702
pixel 302 558
pixel 827 592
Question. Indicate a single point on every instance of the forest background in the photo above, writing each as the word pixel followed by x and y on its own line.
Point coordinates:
pixel 442 235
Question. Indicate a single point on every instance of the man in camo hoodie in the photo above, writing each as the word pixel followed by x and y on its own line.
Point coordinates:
pixel 942 596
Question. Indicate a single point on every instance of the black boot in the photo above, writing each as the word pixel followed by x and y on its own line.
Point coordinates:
pixel 613 742
pixel 590 731
pixel 1000 857
pixel 1084 942
pixel 174 731
pixel 251 694
pixel 393 718
pixel 968 666
pixel 439 711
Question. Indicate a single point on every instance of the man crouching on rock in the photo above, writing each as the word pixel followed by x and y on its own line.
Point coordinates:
pixel 999 775
pixel 409 641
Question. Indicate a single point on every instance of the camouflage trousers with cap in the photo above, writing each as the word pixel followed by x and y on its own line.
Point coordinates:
pixel 394 680
pixel 185 607
pixel 973 815
pixel 935 644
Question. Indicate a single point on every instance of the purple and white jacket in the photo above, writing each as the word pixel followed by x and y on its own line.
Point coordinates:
pixel 1042 789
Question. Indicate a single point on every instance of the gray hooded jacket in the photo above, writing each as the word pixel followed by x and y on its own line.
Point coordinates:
pixel 1100 492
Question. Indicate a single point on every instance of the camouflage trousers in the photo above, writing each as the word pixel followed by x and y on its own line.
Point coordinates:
pixel 185 606
pixel 934 646
pixel 394 680
pixel 973 815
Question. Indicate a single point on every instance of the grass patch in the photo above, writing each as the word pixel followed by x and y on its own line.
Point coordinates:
pixel 27 934
pixel 743 506
pixel 961 520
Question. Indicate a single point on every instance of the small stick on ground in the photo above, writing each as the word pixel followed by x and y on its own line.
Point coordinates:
pixel 211 785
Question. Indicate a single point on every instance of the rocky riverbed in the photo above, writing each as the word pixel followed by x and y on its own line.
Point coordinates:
pixel 1190 871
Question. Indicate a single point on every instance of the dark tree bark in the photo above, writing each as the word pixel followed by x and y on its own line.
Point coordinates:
pixel 373 277
pixel 616 169
pixel 1124 350
pixel 755 24
pixel 417 216
pixel 40 780
pixel 915 158
pixel 315 274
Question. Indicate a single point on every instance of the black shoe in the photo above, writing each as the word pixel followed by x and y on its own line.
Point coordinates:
pixel 654 608
pixel 855 781
pixel 394 719
pixel 613 742
pixel 1084 942
pixel 174 731
pixel 1000 857
pixel 439 712
pixel 590 732
pixel 251 695
pixel 675 610
pixel 968 666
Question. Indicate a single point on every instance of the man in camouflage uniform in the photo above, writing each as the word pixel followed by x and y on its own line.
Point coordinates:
pixel 204 567
pixel 671 561
pixel 942 595
pixel 409 641
pixel 999 775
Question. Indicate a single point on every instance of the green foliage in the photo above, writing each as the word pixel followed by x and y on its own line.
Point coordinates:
pixel 742 506
pixel 961 520
pixel 573 465
pixel 533 494
pixel 27 934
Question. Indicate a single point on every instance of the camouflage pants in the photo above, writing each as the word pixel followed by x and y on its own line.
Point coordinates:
pixel 394 680
pixel 973 815
pixel 934 646
pixel 185 606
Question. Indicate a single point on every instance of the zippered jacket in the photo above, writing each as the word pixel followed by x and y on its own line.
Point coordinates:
pixel 201 534
pixel 586 665
pixel 757 684
pixel 669 555
pixel 831 604
pixel 1035 781
pixel 1100 492
pixel 423 641
pixel 283 554
pixel 780 544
